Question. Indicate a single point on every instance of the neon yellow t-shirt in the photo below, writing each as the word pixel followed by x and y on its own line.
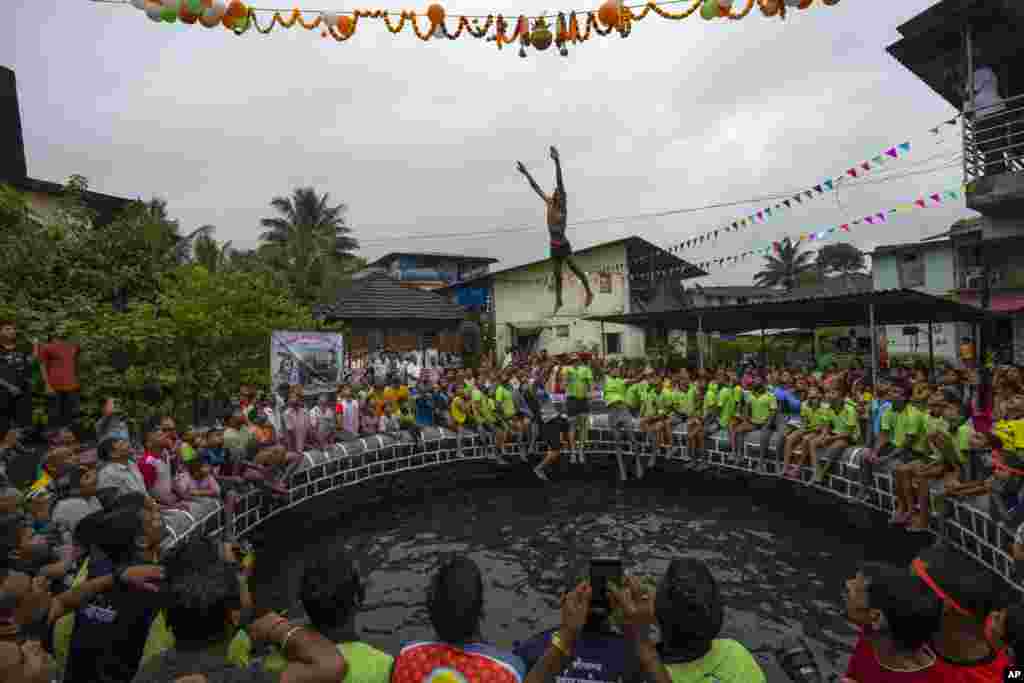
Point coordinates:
pixel 636 394
pixel 614 391
pixel 903 424
pixel 580 380
pixel 366 664
pixel 503 397
pixel 458 410
pixel 667 401
pixel 728 660
pixel 727 403
pixel 1010 433
pixel 762 407
pixel 823 416
pixel 487 410
pixel 711 395
pixel 847 422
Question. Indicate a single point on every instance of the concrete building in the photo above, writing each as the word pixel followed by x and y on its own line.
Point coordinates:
pixel 429 270
pixel 699 297
pixel 949 46
pixel 926 267
pixel 43 196
pixel 625 275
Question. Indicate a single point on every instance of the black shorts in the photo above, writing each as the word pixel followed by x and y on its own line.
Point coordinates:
pixel 551 434
pixel 577 406
pixel 561 250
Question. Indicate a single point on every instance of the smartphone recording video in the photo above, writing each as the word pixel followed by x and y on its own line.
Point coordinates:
pixel 603 570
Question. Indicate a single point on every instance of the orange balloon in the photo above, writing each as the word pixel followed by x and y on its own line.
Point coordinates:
pixel 236 10
pixel 187 18
pixel 608 14
pixel 770 8
pixel 209 22
pixel 724 11
pixel 345 24
pixel 436 14
pixel 804 4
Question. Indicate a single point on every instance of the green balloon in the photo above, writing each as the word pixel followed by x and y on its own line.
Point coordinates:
pixel 709 10
pixel 195 7
pixel 169 15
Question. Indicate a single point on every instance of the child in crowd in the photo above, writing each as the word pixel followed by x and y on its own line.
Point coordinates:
pixel 323 420
pixel 298 428
pixel 347 415
pixel 795 442
pixel 155 467
pixel 843 432
pixel 695 422
pixel 389 422
pixel 898 615
pixel 196 480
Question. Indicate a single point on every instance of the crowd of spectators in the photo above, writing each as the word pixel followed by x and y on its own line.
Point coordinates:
pixel 84 583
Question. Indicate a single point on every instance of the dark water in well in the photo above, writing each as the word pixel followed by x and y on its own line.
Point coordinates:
pixel 779 556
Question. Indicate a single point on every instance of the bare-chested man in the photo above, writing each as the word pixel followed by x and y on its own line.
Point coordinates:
pixel 561 250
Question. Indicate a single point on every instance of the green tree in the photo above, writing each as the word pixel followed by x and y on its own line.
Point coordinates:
pixel 784 268
pixel 211 254
pixel 307 239
pixel 840 259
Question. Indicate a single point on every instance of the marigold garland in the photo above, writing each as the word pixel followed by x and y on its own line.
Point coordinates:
pixel 560 29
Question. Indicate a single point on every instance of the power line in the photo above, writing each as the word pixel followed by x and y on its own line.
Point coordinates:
pixel 639 216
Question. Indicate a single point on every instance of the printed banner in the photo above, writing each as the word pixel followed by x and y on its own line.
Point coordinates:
pixel 316 360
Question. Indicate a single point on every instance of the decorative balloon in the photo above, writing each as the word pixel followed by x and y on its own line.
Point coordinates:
pixel 804 4
pixel 725 4
pixel 345 25
pixel 154 10
pixel 140 4
pixel 769 8
pixel 610 13
pixel 830 3
pixel 710 9
pixel 541 37
pixel 436 14
pixel 330 18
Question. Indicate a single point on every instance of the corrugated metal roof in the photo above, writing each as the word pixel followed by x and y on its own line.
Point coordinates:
pixel 891 306
pixel 435 254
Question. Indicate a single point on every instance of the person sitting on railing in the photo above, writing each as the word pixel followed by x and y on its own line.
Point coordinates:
pixel 759 414
pixel 940 461
pixel 505 411
pixel 331 593
pixel 819 417
pixel 347 414
pixel 843 432
pixel 902 427
pixel 322 419
pixel 652 417
pixel 460 417
pixel 455 602
pixel 897 615
pixel 689 610
pixel 695 423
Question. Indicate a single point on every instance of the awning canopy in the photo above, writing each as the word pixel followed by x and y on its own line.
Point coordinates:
pixel 892 307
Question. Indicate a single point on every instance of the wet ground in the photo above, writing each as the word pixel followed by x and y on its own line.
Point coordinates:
pixel 779 553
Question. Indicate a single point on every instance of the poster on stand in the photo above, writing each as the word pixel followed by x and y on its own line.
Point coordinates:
pixel 316 360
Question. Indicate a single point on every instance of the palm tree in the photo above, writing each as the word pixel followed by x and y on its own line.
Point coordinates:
pixel 212 255
pixel 783 268
pixel 308 238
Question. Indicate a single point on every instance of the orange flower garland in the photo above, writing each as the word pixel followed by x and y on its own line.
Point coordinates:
pixel 560 29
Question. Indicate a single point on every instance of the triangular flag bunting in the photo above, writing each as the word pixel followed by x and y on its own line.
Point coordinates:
pixel 817 188
pixel 787 203
pixel 760 215
pixel 767 212
pixel 905 147
pixel 810 195
pixel 920 202
pixel 878 160
pixel 936 198
pixel 869 219
pixel 952 121
pixel 852 172
pixel 828 185
pixel 881 217
pixel 797 198
pixel 858 222
pixel 866 166
pixel 845 227
pixel 934 131
pixel 892 152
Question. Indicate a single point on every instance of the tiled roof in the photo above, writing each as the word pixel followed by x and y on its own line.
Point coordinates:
pixel 379 297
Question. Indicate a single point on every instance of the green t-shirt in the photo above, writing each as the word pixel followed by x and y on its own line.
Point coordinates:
pixel 636 394
pixel 762 407
pixel 847 422
pixel 503 397
pixel 614 391
pixel 903 424
pixel 487 408
pixel 667 401
pixel 651 405
pixel 709 405
pixel 728 661
pixel 933 425
pixel 580 380
pixel 823 416
pixel 711 395
pixel 963 441
pixel 688 401
pixel 727 402
pixel 806 414
pixel 366 664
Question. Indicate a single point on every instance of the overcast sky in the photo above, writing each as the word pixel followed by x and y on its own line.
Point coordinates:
pixel 422 138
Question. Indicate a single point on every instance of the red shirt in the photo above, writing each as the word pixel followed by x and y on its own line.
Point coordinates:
pixel 988 670
pixel 864 668
pixel 147 467
pixel 60 360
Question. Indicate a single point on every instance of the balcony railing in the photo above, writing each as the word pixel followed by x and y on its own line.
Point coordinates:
pixel 994 139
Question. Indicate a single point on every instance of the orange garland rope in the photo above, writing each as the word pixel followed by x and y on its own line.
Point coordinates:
pixel 566 25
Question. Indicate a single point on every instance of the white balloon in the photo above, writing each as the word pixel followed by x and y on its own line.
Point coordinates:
pixel 139 4
pixel 154 10
pixel 330 18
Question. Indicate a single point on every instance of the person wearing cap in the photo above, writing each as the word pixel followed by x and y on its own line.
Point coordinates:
pixel 689 610
pixel 969 595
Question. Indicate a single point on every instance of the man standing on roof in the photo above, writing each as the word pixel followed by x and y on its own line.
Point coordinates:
pixel 561 250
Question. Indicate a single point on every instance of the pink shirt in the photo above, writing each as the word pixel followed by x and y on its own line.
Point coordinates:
pixel 297 427
pixel 350 416
pixel 187 486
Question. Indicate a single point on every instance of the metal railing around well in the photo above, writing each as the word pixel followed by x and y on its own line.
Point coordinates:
pixel 966 525
pixel 993 139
